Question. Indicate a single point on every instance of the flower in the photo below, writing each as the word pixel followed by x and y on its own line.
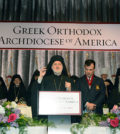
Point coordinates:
pixel 8 106
pixel 108 120
pixel 103 123
pixel 115 107
pixel 12 117
pixel 14 124
pixel 114 122
pixel 2 110
pixel 17 111
pixel 112 118
pixel 5 119
pixel 2 101
pixel 13 104
pixel 1 117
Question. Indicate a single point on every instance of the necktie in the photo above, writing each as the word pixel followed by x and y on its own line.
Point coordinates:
pixel 89 80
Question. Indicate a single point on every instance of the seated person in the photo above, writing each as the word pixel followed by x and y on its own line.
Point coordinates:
pixel 8 80
pixel 108 85
pixel 3 89
pixel 115 95
pixel 17 90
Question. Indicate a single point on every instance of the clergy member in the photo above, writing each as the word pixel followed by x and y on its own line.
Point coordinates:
pixel 54 77
pixel 17 90
pixel 108 85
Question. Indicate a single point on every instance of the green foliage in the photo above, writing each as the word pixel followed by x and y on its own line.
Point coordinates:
pixel 88 119
pixel 10 116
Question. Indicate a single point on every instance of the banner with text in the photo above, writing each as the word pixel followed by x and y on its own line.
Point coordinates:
pixel 74 36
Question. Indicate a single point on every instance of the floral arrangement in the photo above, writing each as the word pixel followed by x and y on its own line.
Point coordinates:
pixel 10 116
pixel 88 119
pixel 111 120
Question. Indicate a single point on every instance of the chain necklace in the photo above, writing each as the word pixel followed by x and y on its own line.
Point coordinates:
pixel 58 89
pixel 16 94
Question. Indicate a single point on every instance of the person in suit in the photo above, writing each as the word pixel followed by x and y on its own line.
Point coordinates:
pixel 92 88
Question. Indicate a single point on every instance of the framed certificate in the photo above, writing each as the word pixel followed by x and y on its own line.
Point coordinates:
pixel 59 103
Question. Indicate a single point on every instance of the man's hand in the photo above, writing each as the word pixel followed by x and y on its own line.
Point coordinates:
pixel 106 83
pixel 90 106
pixel 68 86
pixel 42 72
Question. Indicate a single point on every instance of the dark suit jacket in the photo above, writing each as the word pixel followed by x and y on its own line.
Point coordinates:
pixel 96 94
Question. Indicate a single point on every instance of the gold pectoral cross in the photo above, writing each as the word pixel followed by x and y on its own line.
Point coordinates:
pixel 16 99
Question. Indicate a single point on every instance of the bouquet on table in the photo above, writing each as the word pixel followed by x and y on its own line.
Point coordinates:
pixel 112 119
pixel 10 116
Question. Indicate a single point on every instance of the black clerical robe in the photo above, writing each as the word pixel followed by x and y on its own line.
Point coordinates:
pixel 54 83
pixel 3 92
pixel 19 92
pixel 114 98
pixel 109 89
pixel 49 83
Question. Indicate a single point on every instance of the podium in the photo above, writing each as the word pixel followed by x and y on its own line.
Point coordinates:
pixel 62 124
pixel 59 106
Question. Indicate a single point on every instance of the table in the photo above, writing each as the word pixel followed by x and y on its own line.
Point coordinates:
pixel 29 130
pixel 62 130
pixel 98 130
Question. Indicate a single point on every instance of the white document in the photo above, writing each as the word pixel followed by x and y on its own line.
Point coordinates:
pixel 59 103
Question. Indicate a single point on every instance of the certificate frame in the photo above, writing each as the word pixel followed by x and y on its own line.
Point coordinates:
pixel 59 103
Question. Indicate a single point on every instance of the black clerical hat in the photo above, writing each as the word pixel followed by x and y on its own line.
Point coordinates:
pixel 52 60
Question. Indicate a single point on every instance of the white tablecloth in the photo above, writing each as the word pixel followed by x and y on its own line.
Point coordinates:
pixel 98 130
pixel 43 130
pixel 30 130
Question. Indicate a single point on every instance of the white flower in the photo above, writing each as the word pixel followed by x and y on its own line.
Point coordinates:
pixel 2 110
pixel 13 104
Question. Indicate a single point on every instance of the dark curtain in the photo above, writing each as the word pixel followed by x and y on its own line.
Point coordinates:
pixel 60 10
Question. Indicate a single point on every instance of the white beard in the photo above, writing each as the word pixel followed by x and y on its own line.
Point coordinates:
pixel 58 73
